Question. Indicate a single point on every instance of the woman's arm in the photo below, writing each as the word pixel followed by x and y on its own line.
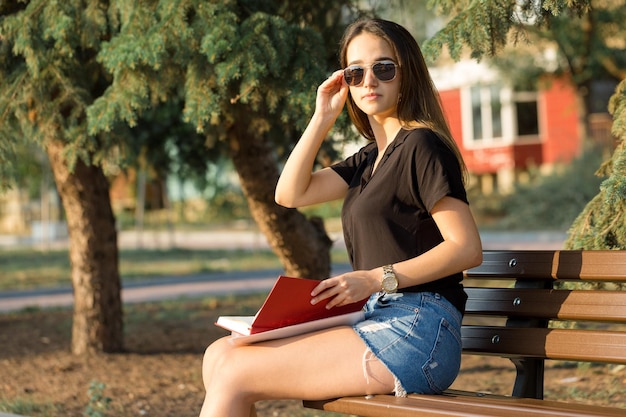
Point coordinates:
pixel 461 249
pixel 298 185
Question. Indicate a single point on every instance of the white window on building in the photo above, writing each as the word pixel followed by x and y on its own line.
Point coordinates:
pixel 486 115
pixel 496 115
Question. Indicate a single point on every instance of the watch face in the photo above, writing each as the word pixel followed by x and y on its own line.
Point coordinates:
pixel 390 283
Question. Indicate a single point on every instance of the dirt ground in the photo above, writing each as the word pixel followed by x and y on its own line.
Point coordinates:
pixel 159 374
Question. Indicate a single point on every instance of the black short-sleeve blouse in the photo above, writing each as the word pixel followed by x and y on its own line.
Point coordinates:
pixel 386 215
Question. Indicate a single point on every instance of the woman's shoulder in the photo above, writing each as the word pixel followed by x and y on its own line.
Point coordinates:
pixel 421 138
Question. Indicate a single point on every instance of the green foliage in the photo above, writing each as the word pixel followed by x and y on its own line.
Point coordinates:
pixel 49 75
pixel 586 41
pixel 557 7
pixel 481 25
pixel 617 107
pixel 98 403
pixel 552 202
pixel 582 33
pixel 237 65
pixel 602 224
pixel 28 169
pixel 84 71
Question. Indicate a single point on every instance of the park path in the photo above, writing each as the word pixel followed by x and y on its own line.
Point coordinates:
pixel 223 283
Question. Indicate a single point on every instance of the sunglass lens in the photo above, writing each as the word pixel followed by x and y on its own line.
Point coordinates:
pixel 353 75
pixel 384 71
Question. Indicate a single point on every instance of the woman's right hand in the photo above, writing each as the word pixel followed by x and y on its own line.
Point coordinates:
pixel 332 95
pixel 298 186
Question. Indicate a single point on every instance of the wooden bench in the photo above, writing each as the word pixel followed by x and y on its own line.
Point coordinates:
pixel 515 319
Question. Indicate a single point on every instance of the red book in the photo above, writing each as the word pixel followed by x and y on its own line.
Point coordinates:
pixel 287 311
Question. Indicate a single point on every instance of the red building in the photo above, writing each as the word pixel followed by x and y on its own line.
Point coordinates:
pixel 502 132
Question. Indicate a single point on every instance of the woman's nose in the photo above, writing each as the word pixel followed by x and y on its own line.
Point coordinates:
pixel 369 78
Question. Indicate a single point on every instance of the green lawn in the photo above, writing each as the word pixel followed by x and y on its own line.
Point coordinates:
pixel 27 269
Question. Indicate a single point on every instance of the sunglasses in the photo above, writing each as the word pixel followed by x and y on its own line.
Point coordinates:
pixel 383 70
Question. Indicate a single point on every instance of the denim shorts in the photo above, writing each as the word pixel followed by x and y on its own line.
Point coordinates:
pixel 417 336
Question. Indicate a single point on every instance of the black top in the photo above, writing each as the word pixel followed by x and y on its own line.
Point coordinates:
pixel 386 216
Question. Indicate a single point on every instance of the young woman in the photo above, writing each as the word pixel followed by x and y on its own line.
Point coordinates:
pixel 408 230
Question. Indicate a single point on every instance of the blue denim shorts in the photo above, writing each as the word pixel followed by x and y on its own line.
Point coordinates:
pixel 417 336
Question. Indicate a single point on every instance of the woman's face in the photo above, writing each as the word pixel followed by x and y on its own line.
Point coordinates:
pixel 376 98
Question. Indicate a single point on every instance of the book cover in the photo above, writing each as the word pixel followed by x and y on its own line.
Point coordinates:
pixel 289 305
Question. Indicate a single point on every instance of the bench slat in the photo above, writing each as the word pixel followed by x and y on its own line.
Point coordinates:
pixel 459 404
pixel 527 303
pixel 597 265
pixel 558 344
pixel 608 306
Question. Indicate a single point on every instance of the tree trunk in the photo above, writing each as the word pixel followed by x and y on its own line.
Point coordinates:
pixel 97 323
pixel 302 245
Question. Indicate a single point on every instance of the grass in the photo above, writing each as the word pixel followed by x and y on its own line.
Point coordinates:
pixel 29 268
pixel 186 311
pixel 26 407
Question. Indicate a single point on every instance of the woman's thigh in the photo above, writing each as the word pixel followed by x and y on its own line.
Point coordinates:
pixel 324 364
pixel 417 336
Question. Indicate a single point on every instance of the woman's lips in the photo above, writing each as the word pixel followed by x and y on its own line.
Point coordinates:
pixel 371 96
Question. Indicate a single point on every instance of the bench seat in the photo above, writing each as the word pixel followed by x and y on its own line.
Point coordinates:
pixel 523 306
pixel 460 404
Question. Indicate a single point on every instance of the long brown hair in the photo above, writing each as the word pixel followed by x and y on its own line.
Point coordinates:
pixel 420 104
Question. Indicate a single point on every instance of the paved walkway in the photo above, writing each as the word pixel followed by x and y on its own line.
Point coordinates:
pixel 167 288
pixel 252 239
pixel 190 286
pixel 226 283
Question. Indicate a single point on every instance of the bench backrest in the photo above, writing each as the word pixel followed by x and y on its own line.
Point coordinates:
pixel 519 307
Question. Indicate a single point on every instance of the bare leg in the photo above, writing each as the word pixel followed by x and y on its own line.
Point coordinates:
pixel 320 365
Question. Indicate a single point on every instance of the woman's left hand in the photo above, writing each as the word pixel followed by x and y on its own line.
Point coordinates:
pixel 347 288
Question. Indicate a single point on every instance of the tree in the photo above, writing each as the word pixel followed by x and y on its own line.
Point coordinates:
pixel 596 47
pixel 76 76
pixel 49 75
pixel 246 72
pixel 602 224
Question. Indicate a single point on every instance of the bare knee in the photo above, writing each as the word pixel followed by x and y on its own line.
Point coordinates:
pixel 213 355
pixel 224 380
pixel 221 369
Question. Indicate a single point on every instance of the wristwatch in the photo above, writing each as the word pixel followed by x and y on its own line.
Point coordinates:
pixel 389 282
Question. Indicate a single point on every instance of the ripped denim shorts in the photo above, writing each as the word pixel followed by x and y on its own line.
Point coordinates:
pixel 417 336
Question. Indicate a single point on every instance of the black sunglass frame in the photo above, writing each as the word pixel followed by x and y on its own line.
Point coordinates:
pixel 354 74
